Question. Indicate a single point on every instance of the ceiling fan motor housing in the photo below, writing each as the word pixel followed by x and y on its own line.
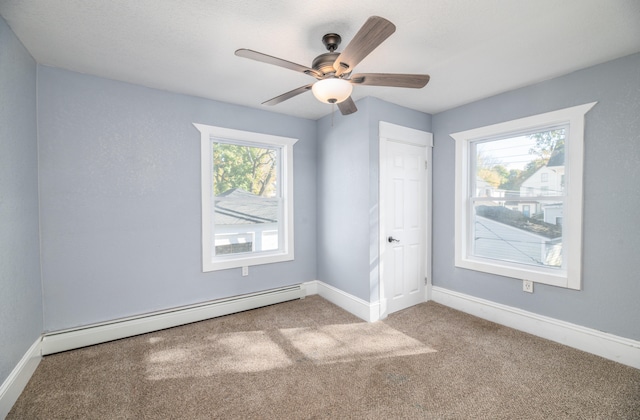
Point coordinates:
pixel 324 62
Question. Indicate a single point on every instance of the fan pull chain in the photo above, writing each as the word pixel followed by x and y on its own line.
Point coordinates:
pixel 333 111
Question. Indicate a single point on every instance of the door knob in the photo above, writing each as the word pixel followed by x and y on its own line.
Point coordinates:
pixel 392 239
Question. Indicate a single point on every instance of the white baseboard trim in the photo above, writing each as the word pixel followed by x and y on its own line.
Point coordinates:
pixel 609 346
pixel 128 327
pixel 369 312
pixel 12 387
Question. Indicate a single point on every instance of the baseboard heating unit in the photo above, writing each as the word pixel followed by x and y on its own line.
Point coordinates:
pixel 127 327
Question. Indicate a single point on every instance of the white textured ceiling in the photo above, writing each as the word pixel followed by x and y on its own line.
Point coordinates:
pixel 472 49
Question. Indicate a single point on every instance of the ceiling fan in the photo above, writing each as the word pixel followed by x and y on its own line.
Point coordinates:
pixel 333 69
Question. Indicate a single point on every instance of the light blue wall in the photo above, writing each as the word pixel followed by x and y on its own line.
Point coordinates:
pixel 120 199
pixel 610 297
pixel 20 284
pixel 343 205
pixel 348 161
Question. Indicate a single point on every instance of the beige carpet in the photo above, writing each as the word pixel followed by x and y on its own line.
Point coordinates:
pixel 308 359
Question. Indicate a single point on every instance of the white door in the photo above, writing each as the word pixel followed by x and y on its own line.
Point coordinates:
pixel 403 187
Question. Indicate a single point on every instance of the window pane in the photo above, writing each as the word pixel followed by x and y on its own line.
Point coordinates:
pixel 526 232
pixel 247 203
pixel 246 168
pixel 528 165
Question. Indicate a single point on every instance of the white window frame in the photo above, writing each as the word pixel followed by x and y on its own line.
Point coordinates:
pixel 208 134
pixel 570 276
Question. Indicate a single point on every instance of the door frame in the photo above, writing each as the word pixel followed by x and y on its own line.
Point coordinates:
pixel 389 132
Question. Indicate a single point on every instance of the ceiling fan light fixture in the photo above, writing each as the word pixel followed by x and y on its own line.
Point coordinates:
pixel 332 90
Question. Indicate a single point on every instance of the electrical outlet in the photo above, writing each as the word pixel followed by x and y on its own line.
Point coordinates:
pixel 527 286
pixel 245 271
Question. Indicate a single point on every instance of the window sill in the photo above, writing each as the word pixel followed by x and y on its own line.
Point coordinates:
pixel 551 277
pixel 248 261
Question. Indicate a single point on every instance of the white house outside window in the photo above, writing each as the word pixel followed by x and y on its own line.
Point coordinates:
pixel 247 198
pixel 533 231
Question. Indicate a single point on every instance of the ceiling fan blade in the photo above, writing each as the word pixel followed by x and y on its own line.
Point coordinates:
pixel 347 106
pixel 288 95
pixel 415 81
pixel 254 55
pixel 374 31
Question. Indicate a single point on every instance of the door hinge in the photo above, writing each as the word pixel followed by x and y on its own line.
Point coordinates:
pixel 426 164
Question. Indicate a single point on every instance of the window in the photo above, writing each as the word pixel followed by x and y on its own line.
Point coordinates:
pixel 535 231
pixel 247 198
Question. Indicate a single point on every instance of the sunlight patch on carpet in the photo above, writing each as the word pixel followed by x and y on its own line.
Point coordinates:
pixel 349 342
pixel 257 351
pixel 239 352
